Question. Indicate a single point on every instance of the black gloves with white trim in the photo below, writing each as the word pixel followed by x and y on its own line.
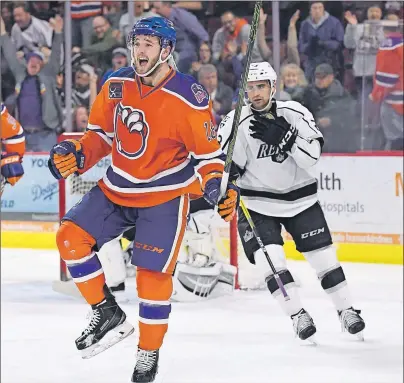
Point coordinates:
pixel 273 130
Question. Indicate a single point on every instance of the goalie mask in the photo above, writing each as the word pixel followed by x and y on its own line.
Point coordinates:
pixel 260 72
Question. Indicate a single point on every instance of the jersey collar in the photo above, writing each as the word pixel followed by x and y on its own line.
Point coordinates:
pixel 145 90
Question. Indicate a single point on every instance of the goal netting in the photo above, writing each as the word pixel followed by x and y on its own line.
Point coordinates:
pixel 227 242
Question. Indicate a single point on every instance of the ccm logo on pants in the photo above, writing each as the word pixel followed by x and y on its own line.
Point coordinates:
pixel 313 233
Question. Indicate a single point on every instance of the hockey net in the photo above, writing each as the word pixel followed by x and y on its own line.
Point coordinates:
pixel 227 242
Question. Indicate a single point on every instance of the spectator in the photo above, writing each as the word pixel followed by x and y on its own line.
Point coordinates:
pixel 38 105
pixel 220 94
pixel 29 34
pixel 85 86
pixel 320 39
pixel 388 88
pixel 103 42
pixel 120 59
pixel 7 78
pixel 328 101
pixel 204 57
pixel 293 81
pixel 391 16
pixel 190 33
pixel 233 36
pixel 83 14
pixel 292 51
pixel 7 15
pixel 365 39
pixel 112 10
pixel 42 10
pixel 198 8
pixel 80 119
pixel 140 13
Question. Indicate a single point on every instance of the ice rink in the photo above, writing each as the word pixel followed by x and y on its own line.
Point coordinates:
pixel 243 338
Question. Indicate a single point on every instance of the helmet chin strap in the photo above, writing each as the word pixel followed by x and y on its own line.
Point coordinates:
pixel 149 72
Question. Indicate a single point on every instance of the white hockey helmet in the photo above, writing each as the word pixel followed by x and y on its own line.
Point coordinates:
pixel 262 71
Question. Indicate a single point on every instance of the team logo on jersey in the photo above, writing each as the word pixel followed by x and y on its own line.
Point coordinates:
pixel 272 151
pixel 131 131
pixel 115 90
pixel 199 92
pixel 248 235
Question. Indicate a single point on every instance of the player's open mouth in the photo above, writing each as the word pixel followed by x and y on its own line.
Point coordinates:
pixel 143 61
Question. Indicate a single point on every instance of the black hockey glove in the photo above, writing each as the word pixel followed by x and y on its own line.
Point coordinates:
pixel 274 131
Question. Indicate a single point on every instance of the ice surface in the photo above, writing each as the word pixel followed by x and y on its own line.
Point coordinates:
pixel 243 338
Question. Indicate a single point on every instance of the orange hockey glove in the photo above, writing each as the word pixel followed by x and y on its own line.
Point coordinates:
pixel 228 205
pixel 11 168
pixel 66 158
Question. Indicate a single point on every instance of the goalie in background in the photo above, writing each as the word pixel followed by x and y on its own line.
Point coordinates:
pixel 277 143
pixel 12 149
pixel 201 271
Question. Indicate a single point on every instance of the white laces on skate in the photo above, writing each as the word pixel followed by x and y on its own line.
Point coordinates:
pixel 301 321
pixel 348 318
pixel 94 317
pixel 145 360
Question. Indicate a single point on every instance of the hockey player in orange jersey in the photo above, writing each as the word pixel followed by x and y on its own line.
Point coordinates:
pixel 157 123
pixel 12 149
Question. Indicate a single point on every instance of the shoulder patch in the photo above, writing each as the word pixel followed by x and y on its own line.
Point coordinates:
pixel 115 90
pixel 199 92
pixel 187 89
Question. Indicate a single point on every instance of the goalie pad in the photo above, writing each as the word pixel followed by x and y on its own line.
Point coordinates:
pixel 112 260
pixel 198 247
pixel 193 284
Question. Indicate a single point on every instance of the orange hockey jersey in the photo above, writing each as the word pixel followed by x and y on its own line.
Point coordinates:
pixel 389 80
pixel 158 136
pixel 12 134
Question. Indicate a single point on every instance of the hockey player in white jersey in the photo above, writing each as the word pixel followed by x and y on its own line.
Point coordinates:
pixel 277 142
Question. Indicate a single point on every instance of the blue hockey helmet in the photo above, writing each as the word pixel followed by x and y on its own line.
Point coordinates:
pixel 154 26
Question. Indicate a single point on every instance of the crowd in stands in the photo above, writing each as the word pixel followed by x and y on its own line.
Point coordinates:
pixel 328 56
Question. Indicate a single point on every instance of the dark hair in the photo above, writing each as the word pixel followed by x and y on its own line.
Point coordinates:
pixel 228 11
pixel 23 4
pixel 315 2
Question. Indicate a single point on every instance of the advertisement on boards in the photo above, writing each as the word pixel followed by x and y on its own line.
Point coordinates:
pixel 36 192
pixel 362 197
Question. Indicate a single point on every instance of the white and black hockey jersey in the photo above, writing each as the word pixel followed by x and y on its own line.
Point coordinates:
pixel 274 183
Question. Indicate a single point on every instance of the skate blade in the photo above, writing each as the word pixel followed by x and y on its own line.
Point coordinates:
pixel 360 336
pixel 113 337
pixel 312 340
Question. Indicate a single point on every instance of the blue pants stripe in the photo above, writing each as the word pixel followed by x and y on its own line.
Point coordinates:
pixel 86 268
pixel 156 311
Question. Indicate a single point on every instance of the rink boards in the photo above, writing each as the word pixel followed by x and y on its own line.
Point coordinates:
pixel 361 195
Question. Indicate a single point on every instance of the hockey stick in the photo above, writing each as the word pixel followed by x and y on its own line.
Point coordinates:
pixel 3 184
pixel 237 112
pixel 262 247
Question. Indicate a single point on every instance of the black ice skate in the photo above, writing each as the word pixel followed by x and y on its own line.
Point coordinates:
pixel 352 322
pixel 107 327
pixel 303 325
pixel 146 366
